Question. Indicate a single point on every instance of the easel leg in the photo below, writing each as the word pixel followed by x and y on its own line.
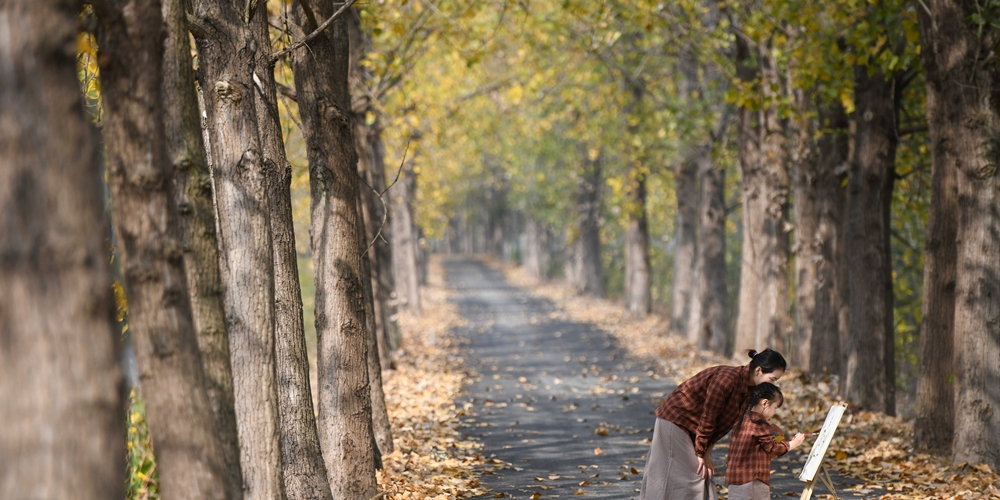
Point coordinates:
pixel 828 481
pixel 807 493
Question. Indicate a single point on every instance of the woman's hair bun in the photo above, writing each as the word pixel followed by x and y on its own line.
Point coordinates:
pixel 751 353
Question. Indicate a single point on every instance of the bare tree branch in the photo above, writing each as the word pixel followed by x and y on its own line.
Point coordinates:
pixel 281 53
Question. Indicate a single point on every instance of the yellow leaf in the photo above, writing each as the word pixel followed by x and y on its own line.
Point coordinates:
pixel 598 451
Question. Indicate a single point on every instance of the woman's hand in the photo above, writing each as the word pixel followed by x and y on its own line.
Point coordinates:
pixel 706 469
pixel 796 441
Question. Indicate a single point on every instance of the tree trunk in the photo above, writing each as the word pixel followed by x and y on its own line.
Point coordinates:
pixel 404 240
pixel 60 377
pixel 303 471
pixel 806 248
pixel 763 307
pixel 381 426
pixel 536 249
pixel 686 250
pixel 226 61
pixel 963 109
pixel 588 275
pixel 638 300
pixel 345 407
pixel 711 287
pixel 188 451
pixel 193 196
pixel 870 371
pixel 935 423
pixel 829 313
pixel 371 167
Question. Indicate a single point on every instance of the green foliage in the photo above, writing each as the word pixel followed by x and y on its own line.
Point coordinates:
pixel 142 481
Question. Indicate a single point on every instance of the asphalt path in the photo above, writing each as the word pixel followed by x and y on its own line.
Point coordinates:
pixel 560 407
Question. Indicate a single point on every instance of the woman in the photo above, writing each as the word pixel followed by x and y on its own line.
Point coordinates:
pixel 694 417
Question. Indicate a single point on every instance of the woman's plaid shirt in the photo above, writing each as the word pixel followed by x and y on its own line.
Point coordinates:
pixel 750 450
pixel 708 404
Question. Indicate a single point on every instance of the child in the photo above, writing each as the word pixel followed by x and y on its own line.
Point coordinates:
pixel 752 445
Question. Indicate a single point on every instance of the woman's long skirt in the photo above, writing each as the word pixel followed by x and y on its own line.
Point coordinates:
pixel 754 490
pixel 672 467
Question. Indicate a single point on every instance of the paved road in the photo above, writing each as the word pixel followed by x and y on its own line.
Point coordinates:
pixel 559 405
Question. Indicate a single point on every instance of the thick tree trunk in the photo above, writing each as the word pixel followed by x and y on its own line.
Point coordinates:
pixel 226 60
pixel 188 451
pixel 345 406
pixel 935 424
pixel 60 376
pixel 806 249
pixel 536 249
pixel 404 240
pixel 193 196
pixel 303 471
pixel 963 110
pixel 829 312
pixel 711 287
pixel 588 275
pixel 685 247
pixel 763 308
pixel 371 167
pixel 870 370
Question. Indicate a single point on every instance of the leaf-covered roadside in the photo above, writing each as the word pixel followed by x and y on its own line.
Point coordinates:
pixel 873 448
pixel 432 460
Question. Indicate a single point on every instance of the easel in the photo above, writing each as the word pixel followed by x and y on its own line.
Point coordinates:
pixel 813 469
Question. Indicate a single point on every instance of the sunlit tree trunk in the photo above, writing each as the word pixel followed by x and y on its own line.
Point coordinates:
pixel 226 61
pixel 829 312
pixel 371 167
pixel 404 240
pixel 685 237
pixel 935 424
pixel 60 379
pixel 188 452
pixel 192 194
pixel 763 306
pixel 304 473
pixel 963 112
pixel 870 370
pixel 587 275
pixel 345 406
pixel 638 297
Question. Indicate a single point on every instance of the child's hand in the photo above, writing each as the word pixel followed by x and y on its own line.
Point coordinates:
pixel 796 441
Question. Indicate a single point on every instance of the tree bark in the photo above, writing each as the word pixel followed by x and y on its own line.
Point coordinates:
pixel 404 240
pixel 60 378
pixel 711 286
pixel 303 472
pixel 763 309
pixel 227 57
pixel 188 452
pixel 588 275
pixel 829 314
pixel 935 423
pixel 638 297
pixel 962 113
pixel 345 405
pixel 806 247
pixel 381 425
pixel 192 195
pixel 686 250
pixel 870 370
pixel 371 167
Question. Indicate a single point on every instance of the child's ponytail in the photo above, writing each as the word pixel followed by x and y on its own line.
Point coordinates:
pixel 764 390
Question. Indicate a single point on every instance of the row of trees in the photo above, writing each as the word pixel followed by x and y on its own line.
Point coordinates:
pixel 199 181
pixel 817 177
